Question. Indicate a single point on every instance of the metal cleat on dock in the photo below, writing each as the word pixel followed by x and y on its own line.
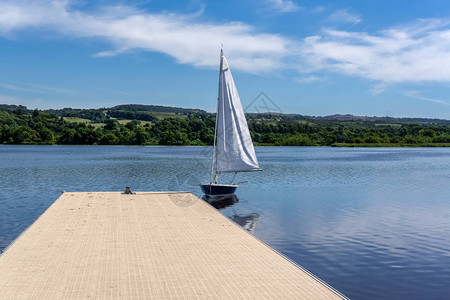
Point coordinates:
pixel 128 191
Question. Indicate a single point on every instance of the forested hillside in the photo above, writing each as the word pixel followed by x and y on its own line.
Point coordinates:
pixel 159 125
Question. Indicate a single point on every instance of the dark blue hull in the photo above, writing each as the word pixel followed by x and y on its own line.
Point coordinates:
pixel 216 189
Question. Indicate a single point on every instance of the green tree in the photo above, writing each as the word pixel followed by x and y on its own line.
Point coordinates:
pixel 109 138
pixel 141 137
pixel 174 138
pixel 111 124
pixel 68 136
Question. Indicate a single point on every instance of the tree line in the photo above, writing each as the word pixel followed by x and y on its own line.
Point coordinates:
pixel 39 127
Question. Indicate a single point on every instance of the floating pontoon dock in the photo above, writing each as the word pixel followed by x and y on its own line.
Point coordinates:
pixel 108 245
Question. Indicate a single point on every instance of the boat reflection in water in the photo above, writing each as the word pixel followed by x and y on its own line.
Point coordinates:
pixel 248 222
pixel 221 202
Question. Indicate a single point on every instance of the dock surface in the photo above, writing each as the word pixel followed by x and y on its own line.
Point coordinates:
pixel 106 245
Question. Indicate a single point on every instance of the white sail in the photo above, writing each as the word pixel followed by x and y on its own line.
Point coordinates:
pixel 234 146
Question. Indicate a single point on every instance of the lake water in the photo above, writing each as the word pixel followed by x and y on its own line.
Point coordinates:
pixel 373 223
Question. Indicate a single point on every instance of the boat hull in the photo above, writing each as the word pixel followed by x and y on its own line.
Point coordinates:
pixel 216 189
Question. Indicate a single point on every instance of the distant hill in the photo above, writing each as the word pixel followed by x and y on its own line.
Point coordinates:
pixel 144 112
pixel 15 108
pixel 137 124
pixel 348 117
pixel 126 111
pixel 157 108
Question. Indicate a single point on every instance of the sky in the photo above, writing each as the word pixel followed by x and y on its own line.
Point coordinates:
pixel 360 57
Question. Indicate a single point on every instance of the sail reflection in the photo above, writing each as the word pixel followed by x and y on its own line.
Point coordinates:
pixel 248 222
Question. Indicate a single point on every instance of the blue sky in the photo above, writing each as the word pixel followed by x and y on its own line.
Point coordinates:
pixel 374 57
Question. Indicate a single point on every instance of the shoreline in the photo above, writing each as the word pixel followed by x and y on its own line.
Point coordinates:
pixel 339 145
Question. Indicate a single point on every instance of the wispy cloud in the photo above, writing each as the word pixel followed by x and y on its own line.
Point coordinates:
pixel 344 16
pixel 35 88
pixel 51 89
pixel 14 87
pixel 308 79
pixel 4 99
pixel 285 6
pixel 318 9
pixel 117 92
pixel 414 53
pixel 418 52
pixel 378 88
pixel 183 37
pixel 30 103
pixel 418 96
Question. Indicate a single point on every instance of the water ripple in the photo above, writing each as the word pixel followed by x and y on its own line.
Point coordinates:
pixel 373 223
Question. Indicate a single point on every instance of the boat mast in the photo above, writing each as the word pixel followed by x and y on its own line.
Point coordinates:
pixel 214 156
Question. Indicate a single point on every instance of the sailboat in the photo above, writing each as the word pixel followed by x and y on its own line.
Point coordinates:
pixel 233 150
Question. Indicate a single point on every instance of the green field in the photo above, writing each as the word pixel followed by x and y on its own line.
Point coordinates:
pixel 76 120
pixel 387 125
pixel 141 123
pixel 163 115
pixel 97 125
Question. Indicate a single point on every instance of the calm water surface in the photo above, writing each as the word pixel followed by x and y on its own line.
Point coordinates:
pixel 372 223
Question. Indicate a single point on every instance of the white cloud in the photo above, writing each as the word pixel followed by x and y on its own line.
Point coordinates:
pixel 416 53
pixel 343 15
pixel 284 5
pixel 419 52
pixel 418 96
pixel 308 79
pixel 183 37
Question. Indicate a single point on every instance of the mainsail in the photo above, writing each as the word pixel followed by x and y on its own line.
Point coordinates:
pixel 234 146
